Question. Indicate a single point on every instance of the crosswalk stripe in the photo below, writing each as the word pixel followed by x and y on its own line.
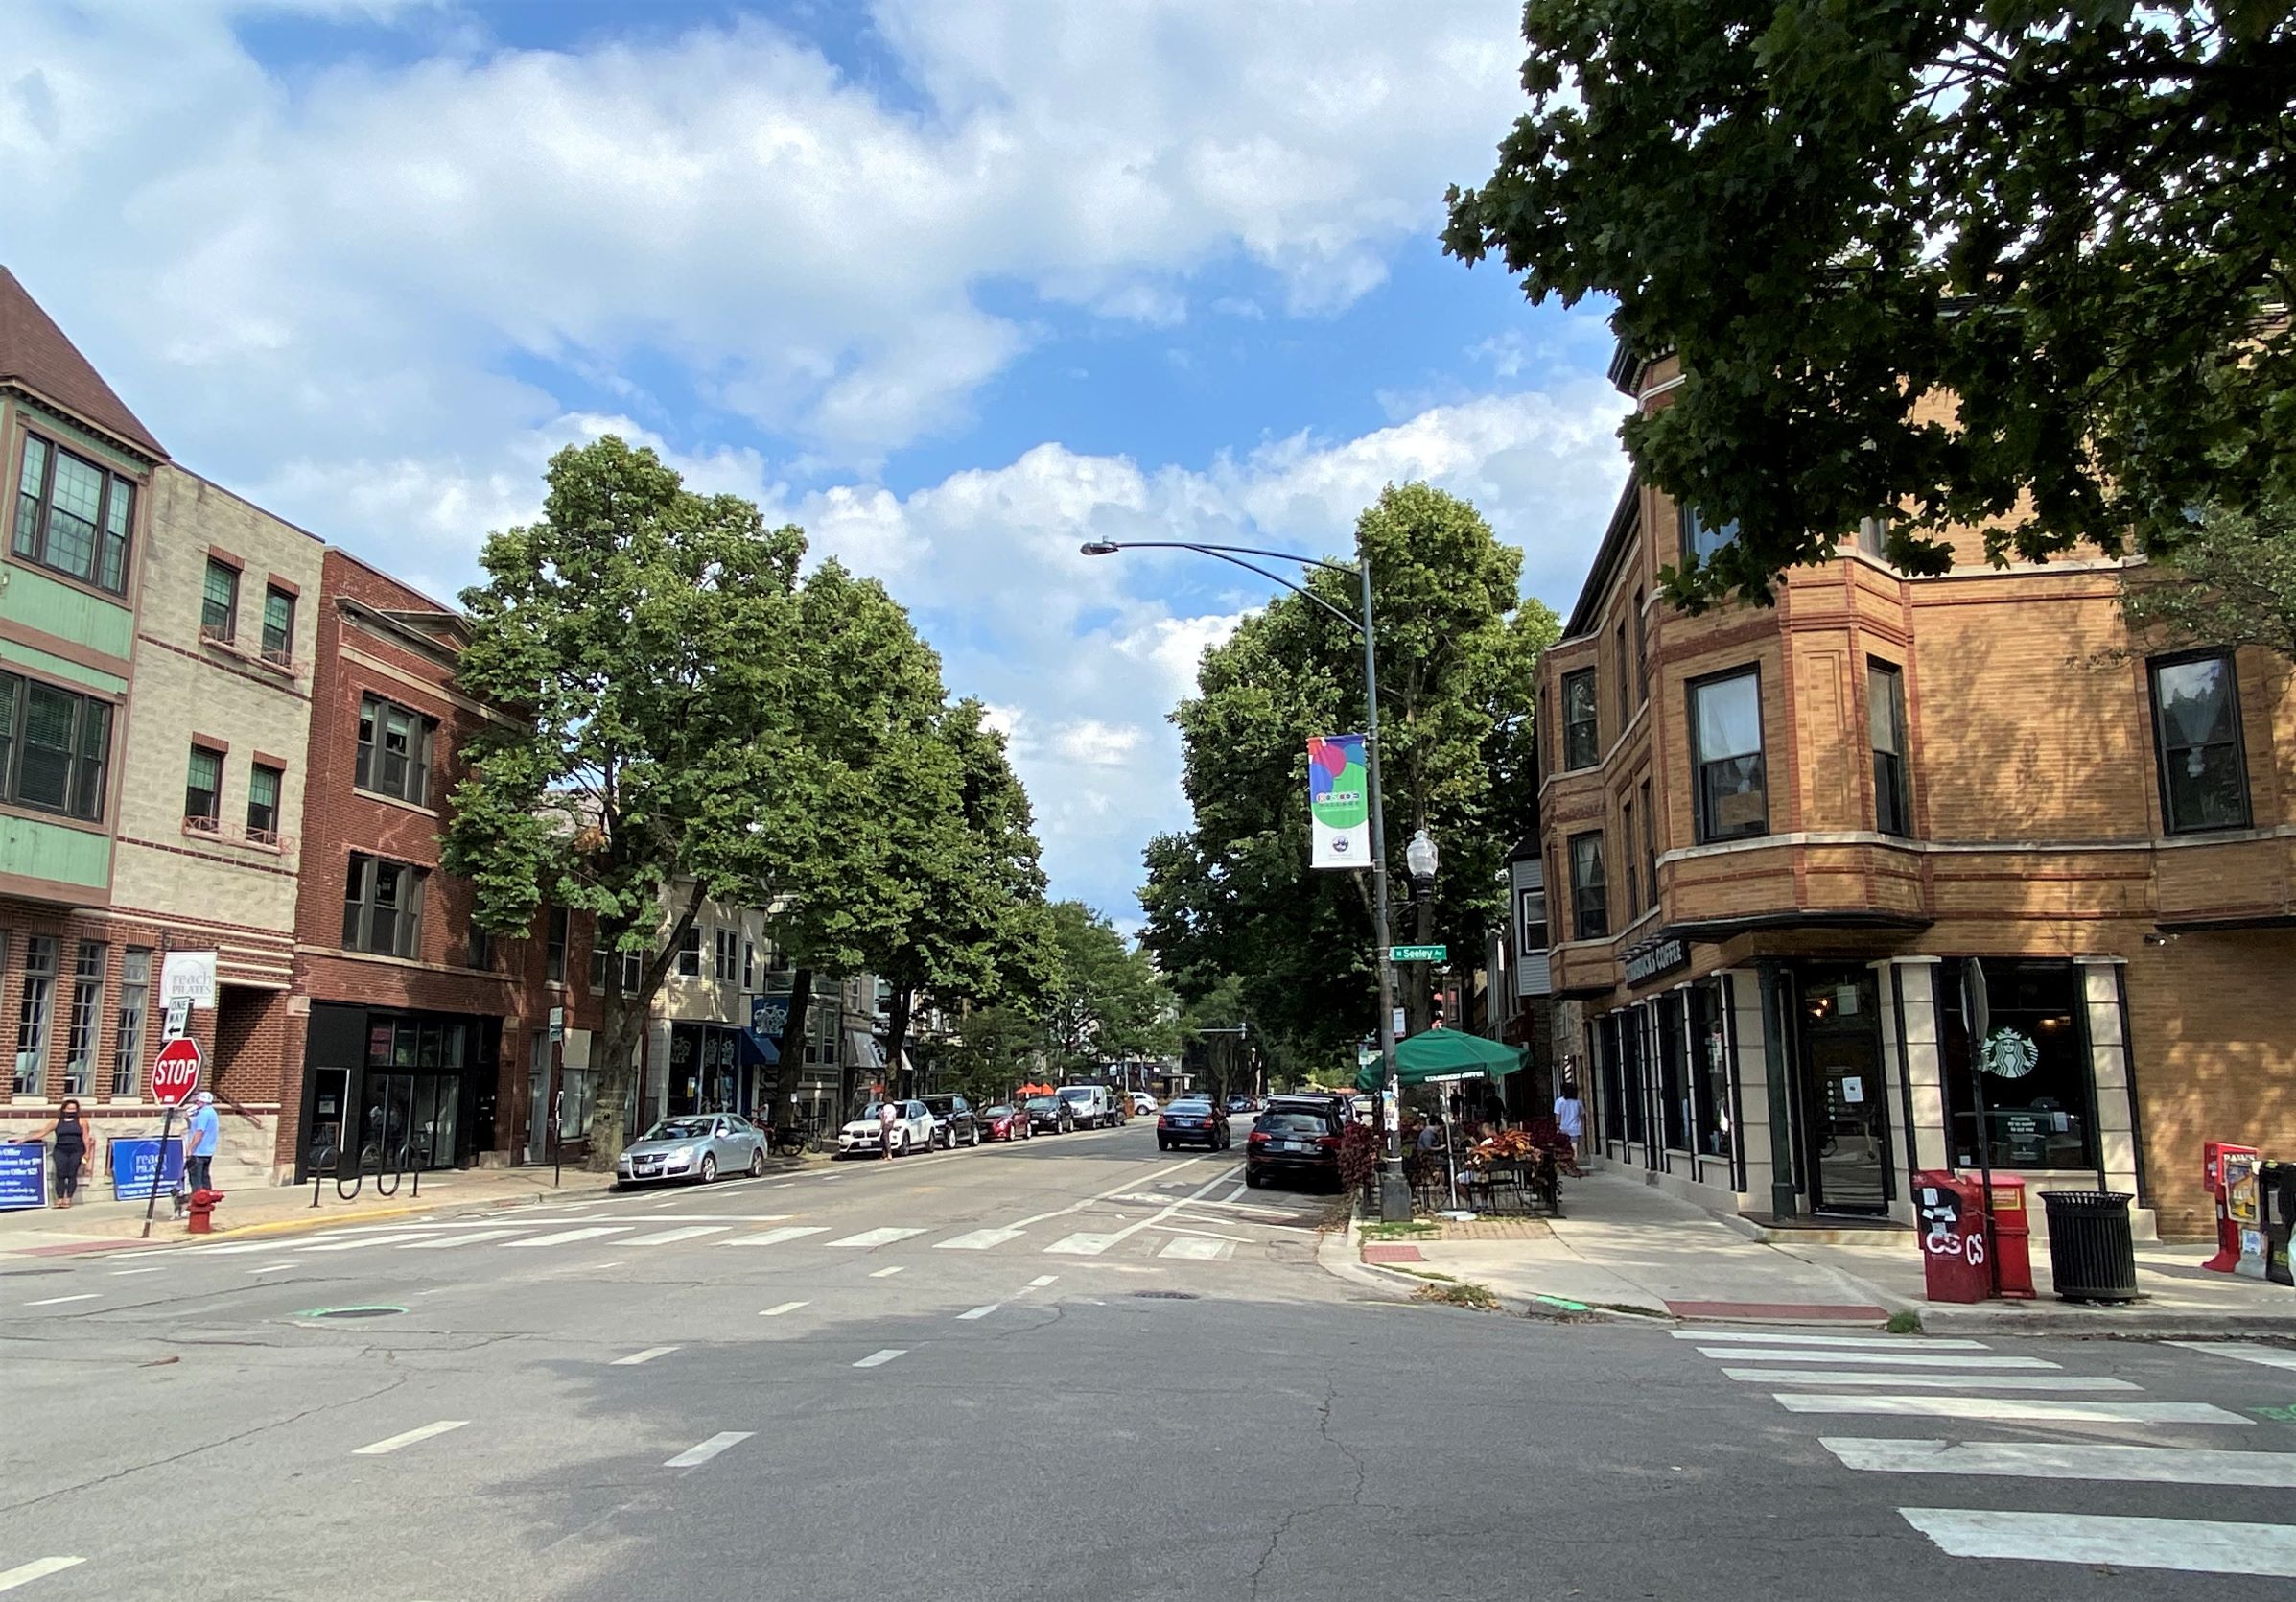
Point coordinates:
pixel 783 1308
pixel 1905 1359
pixel 709 1449
pixel 980 1313
pixel 888 1273
pixel 391 1444
pixel 39 1569
pixel 368 1240
pixel 1777 1337
pixel 879 1360
pixel 869 1238
pixel 566 1237
pixel 1932 1381
pixel 2193 1546
pixel 775 1236
pixel 1199 1250
pixel 662 1237
pixel 978 1241
pixel 443 1243
pixel 2065 1460
pixel 2271 1356
pixel 1997 1407
pixel 646 1357
pixel 1083 1243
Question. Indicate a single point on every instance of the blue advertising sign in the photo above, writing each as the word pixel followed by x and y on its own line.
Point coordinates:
pixel 24 1175
pixel 133 1162
pixel 766 1016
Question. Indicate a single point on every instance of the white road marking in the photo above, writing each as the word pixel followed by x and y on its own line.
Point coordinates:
pixel 395 1442
pixel 1236 1194
pixel 1083 1244
pixel 1770 1337
pixel 58 1300
pixel 2271 1356
pixel 274 1267
pixel 888 1273
pixel 775 1236
pixel 2193 1546
pixel 646 1357
pixel 1204 1233
pixel 595 1267
pixel 1890 1359
pixel 783 1308
pixel 120 1273
pixel 980 1313
pixel 709 1449
pixel 1951 1381
pixel 1106 1195
pixel 1199 1250
pixel 566 1237
pixel 440 1242
pixel 870 1238
pixel 662 1237
pixel 1041 1280
pixel 2065 1460
pixel 368 1240
pixel 1999 1407
pixel 23 1573
pixel 879 1360
pixel 978 1241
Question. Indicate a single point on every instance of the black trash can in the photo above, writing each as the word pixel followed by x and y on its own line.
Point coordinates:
pixel 2091 1256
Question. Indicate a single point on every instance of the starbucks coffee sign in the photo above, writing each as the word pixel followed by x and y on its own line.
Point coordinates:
pixel 1662 954
pixel 2008 1053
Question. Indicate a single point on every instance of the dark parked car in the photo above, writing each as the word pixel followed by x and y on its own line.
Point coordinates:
pixel 1293 1143
pixel 1005 1121
pixel 1242 1104
pixel 954 1121
pixel 1192 1121
pixel 1050 1114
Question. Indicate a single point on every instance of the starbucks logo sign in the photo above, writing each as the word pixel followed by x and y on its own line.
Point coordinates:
pixel 2010 1054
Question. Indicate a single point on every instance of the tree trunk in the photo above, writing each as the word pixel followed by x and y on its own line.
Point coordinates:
pixel 624 1024
pixel 897 1034
pixel 792 1048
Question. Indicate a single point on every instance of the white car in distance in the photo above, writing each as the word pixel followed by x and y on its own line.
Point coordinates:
pixel 912 1131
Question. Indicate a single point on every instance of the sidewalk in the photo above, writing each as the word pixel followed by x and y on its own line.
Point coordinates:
pixel 1626 1247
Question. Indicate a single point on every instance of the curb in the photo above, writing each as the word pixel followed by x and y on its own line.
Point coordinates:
pixel 300 1226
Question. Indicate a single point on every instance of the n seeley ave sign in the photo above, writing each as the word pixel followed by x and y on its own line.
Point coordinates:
pixel 1419 953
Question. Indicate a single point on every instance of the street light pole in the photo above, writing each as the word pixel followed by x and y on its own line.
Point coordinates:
pixel 1394 1194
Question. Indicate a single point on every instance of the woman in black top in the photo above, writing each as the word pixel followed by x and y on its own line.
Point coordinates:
pixel 72 1142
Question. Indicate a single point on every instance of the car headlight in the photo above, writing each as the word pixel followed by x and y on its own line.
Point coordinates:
pixel 683 1154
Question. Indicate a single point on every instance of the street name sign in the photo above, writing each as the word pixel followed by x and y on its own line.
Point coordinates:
pixel 1417 954
pixel 175 1071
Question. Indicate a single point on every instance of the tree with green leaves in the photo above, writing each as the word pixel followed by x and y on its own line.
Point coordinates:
pixel 1999 263
pixel 994 1049
pixel 1106 1003
pixel 1456 645
pixel 2231 582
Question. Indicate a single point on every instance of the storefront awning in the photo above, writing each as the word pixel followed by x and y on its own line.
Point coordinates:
pixel 759 1050
pixel 1444 1054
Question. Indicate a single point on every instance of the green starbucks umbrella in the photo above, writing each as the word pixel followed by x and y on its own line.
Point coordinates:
pixel 1444 1054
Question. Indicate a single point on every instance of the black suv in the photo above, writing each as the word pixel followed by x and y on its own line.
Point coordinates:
pixel 954 1122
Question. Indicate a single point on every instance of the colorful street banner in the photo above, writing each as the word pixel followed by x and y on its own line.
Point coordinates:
pixel 1339 801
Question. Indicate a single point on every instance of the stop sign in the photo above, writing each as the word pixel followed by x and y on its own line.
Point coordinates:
pixel 176 1070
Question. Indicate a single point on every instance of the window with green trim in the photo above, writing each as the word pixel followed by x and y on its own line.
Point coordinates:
pixel 73 516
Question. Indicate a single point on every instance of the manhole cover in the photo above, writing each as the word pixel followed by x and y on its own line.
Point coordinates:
pixel 348 1312
pixel 1166 1295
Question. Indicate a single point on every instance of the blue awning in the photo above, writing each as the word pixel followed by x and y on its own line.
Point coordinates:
pixel 758 1049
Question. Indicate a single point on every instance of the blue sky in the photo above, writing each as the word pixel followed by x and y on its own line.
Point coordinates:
pixel 956 286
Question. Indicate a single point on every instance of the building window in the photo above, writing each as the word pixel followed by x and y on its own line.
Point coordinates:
pixel 1634 879
pixel 53 748
pixel 203 790
pixel 749 966
pixel 264 782
pixel 1529 921
pixel 1710 1069
pixel 394 751
pixel 31 1013
pixel 480 951
pixel 689 952
pixel 73 516
pixel 1590 907
pixel 218 603
pixel 1677 1120
pixel 1701 537
pixel 278 627
pixel 1886 717
pixel 633 970
pixel 1869 537
pixel 1650 841
pixel 1625 680
pixel 1642 652
pixel 1725 735
pixel 135 994
pixel 724 970
pixel 86 1020
pixel 554 946
pixel 381 907
pixel 2196 727
pixel 2041 1112
pixel 1582 731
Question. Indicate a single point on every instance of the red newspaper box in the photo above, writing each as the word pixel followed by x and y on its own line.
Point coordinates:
pixel 2225 1165
pixel 1954 1260
pixel 2012 1238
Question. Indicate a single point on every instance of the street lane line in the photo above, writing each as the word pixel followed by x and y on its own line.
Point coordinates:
pixel 879 1360
pixel 1199 1250
pixel 2193 1545
pixel 369 1241
pixel 565 1238
pixel 869 1238
pixel 1041 1280
pixel 2065 1460
pixel 662 1237
pixel 395 1442
pixel 646 1357
pixel 979 1312
pixel 1770 1337
pixel 39 1569
pixel 709 1449
pixel 1945 1382
pixel 785 1306
pixel 1202 1234
pixel 1110 1196
pixel 775 1236
pixel 888 1273
pixel 1997 1408
pixel 121 1273
pixel 274 1267
pixel 2271 1356
pixel 978 1241
pixel 1237 1194
pixel 1888 1360
pixel 1083 1244
pixel 440 1242
pixel 58 1300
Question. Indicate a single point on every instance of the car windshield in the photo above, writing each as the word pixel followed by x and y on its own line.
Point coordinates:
pixel 1188 1107
pixel 870 1113
pixel 678 1129
pixel 1044 1103
pixel 1293 1123
pixel 999 1110
pixel 1077 1093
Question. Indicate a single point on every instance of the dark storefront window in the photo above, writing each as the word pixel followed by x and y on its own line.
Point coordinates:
pixel 1630 1064
pixel 2196 728
pixel 410 1091
pixel 1710 1069
pixel 2042 1113
pixel 1673 1073
pixel 1615 1084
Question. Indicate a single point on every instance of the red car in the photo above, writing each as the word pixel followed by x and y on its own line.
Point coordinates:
pixel 1005 1122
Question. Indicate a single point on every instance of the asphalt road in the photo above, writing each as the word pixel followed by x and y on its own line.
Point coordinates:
pixel 1076 1368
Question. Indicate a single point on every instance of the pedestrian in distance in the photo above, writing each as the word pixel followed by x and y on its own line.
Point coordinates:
pixel 884 1129
pixel 202 1133
pixel 1570 1114
pixel 72 1142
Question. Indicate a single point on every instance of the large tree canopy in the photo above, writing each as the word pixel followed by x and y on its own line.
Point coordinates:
pixel 1936 262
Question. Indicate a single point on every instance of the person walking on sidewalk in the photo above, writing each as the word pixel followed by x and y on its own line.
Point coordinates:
pixel 884 1128
pixel 1570 1115
pixel 72 1143
pixel 202 1133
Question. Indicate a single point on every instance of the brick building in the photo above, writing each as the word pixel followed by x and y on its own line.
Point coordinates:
pixel 1777 840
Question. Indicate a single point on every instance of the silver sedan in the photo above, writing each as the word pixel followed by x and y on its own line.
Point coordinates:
pixel 699 1146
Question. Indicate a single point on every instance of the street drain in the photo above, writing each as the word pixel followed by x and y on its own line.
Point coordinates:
pixel 348 1312
pixel 1166 1295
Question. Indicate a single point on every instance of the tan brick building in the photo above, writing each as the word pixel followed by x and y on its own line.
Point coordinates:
pixel 1777 839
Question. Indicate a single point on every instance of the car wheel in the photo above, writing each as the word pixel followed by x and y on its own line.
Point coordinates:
pixel 708 1168
pixel 905 1146
pixel 1251 1180
pixel 756 1162
pixel 1162 1144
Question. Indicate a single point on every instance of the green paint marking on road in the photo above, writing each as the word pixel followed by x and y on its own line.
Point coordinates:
pixel 1564 1303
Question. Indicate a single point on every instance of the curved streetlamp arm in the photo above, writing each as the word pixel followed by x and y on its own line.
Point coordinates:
pixel 1305 594
pixel 1240 550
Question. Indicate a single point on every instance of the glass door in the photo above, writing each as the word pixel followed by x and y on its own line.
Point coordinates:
pixel 1846 1114
pixel 538 1099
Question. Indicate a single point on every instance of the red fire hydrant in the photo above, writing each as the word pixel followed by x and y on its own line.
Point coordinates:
pixel 202 1206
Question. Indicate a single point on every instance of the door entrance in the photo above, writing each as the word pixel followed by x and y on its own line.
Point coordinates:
pixel 330 1099
pixel 538 1098
pixel 1845 1119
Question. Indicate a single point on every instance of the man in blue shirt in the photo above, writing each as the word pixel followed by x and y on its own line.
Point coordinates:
pixel 202 1133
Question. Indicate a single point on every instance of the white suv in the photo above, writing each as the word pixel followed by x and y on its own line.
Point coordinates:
pixel 912 1131
pixel 1088 1106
